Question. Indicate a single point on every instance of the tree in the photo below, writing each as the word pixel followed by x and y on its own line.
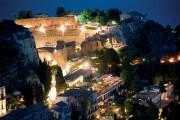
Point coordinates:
pixel 177 35
pixel 128 106
pixel 69 12
pixel 113 14
pixel 99 17
pixel 84 101
pixel 60 11
pixel 24 14
pixel 32 89
pixel 152 112
pixel 85 16
pixel 45 75
pixel 74 113
pixel 109 60
pixel 60 82
pixel 127 54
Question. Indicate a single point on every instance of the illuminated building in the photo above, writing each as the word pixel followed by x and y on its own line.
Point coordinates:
pixel 76 78
pixel 2 101
pixel 34 112
pixel 61 111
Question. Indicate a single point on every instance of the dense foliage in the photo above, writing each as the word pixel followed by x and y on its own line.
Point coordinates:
pixel 99 16
pixel 24 14
pixel 109 60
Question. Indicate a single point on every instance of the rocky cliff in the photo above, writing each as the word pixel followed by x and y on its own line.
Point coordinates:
pixel 18 55
pixel 148 37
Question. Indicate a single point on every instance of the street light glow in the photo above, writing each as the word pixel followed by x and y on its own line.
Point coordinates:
pixel 49 58
pixel 42 29
pixel 52 93
pixel 82 28
pixel 98 29
pixel 54 63
pixel 86 65
pixel 162 61
pixel 178 57
pixel 62 28
pixel 171 60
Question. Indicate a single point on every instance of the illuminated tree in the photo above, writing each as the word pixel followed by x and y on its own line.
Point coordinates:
pixel 85 16
pixel 60 82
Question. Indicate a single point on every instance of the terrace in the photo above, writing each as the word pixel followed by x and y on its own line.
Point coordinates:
pixel 106 86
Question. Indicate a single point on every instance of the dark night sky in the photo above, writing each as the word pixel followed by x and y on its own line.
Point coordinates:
pixel 163 11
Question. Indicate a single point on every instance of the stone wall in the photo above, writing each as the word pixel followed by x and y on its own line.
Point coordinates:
pixel 50 21
pixel 52 30
pixel 90 46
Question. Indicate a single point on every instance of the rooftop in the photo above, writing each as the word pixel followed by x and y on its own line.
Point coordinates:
pixel 75 92
pixel 73 76
pixel 105 83
pixel 20 113
pixel 61 107
pixel 49 49
pixel 150 92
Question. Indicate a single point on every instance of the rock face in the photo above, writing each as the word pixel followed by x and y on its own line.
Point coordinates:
pixel 152 37
pixel 90 45
pixel 18 54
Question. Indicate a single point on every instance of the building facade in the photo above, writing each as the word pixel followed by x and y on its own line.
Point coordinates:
pixel 34 112
pixel 2 100
pixel 61 111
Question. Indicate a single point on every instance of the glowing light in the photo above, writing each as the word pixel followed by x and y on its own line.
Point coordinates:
pixel 55 50
pixel 86 65
pixel 178 57
pixel 27 26
pixel 125 110
pixel 117 109
pixel 62 28
pixel 76 18
pixel 162 61
pixel 54 63
pixel 171 60
pixel 98 29
pixel 98 117
pixel 82 28
pixel 67 24
pixel 144 59
pixel 113 22
pixel 52 93
pixel 160 113
pixel 68 68
pixel 49 58
pixel 42 29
